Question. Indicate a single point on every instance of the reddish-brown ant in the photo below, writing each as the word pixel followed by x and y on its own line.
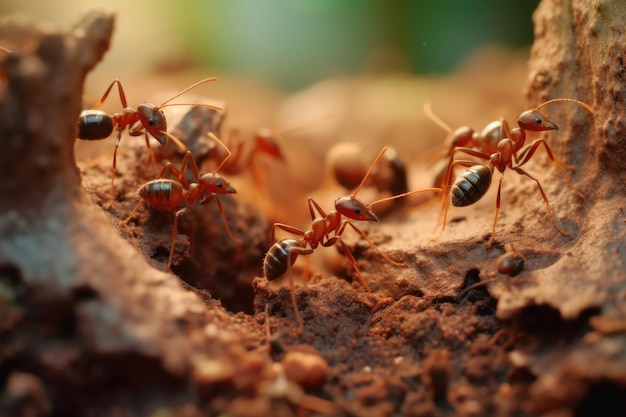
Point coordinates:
pixel 347 164
pixel 147 119
pixel 326 230
pixel 168 194
pixel 245 153
pixel 510 153
pixel 511 263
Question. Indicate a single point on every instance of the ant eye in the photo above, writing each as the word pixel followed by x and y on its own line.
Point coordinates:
pixel 538 120
pixel 357 210
pixel 151 122
pixel 218 185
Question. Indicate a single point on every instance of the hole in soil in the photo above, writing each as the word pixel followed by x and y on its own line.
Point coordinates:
pixel 12 286
pixel 604 399
pixel 235 293
pixel 84 293
pixel 479 296
pixel 546 323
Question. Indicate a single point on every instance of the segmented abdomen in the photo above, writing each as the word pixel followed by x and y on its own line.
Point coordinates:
pixel 162 193
pixel 94 125
pixel 279 258
pixel 470 186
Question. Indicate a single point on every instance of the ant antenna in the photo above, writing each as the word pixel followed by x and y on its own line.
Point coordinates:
pixel 206 80
pixel 570 100
pixel 428 111
pixel 393 197
pixel 216 139
pixel 380 155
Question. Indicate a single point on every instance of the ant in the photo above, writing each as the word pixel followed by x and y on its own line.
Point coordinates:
pixel 348 167
pixel 147 119
pixel 326 230
pixel 246 152
pixel 198 121
pixel 168 194
pixel 511 153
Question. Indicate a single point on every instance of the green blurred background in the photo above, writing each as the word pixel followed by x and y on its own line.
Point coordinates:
pixel 294 43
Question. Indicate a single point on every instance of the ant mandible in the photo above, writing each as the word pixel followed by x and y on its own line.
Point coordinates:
pixel 511 153
pixel 326 230
pixel 147 119
pixel 168 194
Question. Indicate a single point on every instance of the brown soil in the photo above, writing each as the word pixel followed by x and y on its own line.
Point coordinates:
pixel 90 326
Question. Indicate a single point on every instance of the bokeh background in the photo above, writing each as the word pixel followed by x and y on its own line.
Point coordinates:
pixel 292 44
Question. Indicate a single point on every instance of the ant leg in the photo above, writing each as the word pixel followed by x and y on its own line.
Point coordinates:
pixel 346 250
pixel 495 218
pixel 345 223
pixel 177 173
pixel 174 237
pixel 132 213
pixel 108 90
pixel 286 228
pixel 114 166
pixel 219 206
pixel 296 311
pixel 545 199
pixel 528 152
pixel 139 132
pixel 313 204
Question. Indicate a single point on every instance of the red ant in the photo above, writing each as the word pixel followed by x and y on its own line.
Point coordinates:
pixel 168 194
pixel 326 230
pixel 198 121
pixel 510 153
pixel 147 119
pixel 244 153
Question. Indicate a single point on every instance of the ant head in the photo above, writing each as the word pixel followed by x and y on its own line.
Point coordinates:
pixel 266 143
pixel 153 120
pixel 354 209
pixel 535 121
pixel 215 183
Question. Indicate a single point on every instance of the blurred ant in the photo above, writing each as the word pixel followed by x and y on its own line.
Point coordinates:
pixel 246 152
pixel 147 119
pixel 348 166
pixel 511 153
pixel 168 194
pixel 326 230
pixel 511 263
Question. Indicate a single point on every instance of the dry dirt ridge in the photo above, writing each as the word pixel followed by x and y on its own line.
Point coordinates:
pixel 88 327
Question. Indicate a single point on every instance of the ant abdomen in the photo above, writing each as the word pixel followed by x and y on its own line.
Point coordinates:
pixel 94 125
pixel 281 256
pixel 470 186
pixel 164 194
